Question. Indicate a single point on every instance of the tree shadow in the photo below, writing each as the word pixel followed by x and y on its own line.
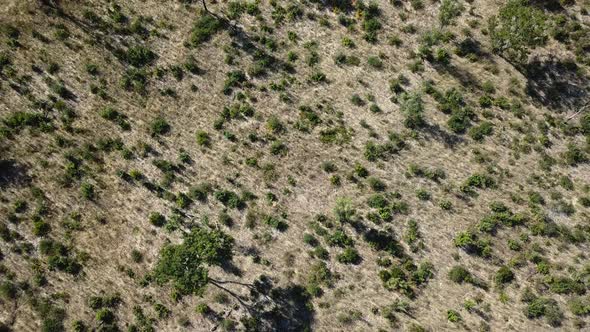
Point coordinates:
pixel 556 83
pixel 282 308
pixel 550 5
pixel 12 173
pixel 434 131
pixel 465 78
pixel 241 40
pixel 342 5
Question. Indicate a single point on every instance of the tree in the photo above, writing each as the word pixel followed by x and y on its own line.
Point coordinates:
pixel 186 264
pixel 516 29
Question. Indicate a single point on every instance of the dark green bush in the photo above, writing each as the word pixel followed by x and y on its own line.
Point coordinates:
pixel 349 256
pixel 88 192
pixel 504 275
pixel 229 199
pixel 460 274
pixel 139 56
pixel 376 184
pixel 157 219
pixel 159 127
pixel 203 138
pixel 478 133
pixel 204 28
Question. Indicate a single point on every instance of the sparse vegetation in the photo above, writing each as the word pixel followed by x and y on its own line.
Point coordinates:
pixel 249 165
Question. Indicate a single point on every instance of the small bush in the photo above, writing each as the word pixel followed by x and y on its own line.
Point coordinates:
pixel 157 219
pixel 504 275
pixel 460 274
pixel 349 256
pixel 204 28
pixel 139 56
pixel 453 316
pixel 478 133
pixel 159 127
pixel 203 138
pixel 375 62
pixel 87 190
pixel 376 184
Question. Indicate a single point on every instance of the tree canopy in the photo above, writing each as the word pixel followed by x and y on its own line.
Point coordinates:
pixel 516 29
pixel 186 264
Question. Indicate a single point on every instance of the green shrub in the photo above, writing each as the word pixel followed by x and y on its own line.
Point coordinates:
pixel 275 125
pixel 374 108
pixel 203 138
pixel 41 228
pixel 356 100
pixel 202 309
pixel 278 148
pixel 566 182
pixel 574 155
pixel 446 205
pixel 453 316
pixel 478 133
pixel 480 181
pixel 339 239
pixel 579 306
pixel 229 199
pixel 310 240
pixel 87 190
pixel 344 210
pixel 183 201
pixel 565 285
pixel 139 56
pixel 204 28
pixel 539 307
pixel 470 242
pixel 159 127
pixel 157 219
pixel 8 290
pixel 234 79
pixel 225 219
pixel 105 316
pixel 376 184
pixel 375 62
pixel 318 77
pixel 460 274
pixel 79 326
pixel 136 256
pixel 423 195
pixel 504 275
pixel 329 167
pixel 349 256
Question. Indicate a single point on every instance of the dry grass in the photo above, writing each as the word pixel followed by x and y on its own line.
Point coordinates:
pixel 126 206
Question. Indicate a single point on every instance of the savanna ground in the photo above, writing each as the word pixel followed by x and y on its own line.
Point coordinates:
pixel 294 165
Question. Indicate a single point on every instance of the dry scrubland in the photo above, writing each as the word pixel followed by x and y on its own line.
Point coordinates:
pixel 294 165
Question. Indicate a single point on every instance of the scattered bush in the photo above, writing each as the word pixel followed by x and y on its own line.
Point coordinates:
pixel 504 275
pixel 159 127
pixel 157 219
pixel 460 274
pixel 203 138
pixel 349 256
pixel 204 28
